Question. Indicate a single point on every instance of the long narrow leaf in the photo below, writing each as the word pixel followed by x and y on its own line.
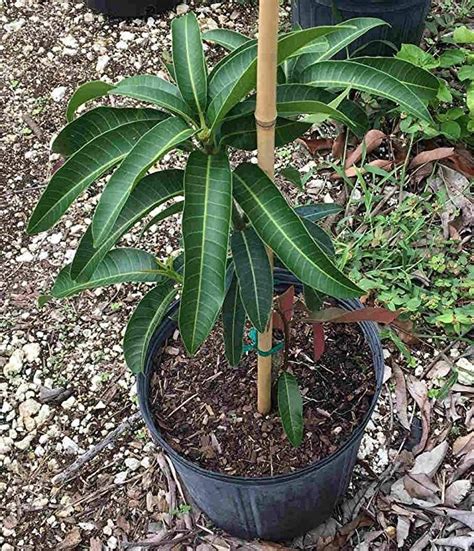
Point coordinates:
pixel 189 63
pixel 233 318
pixel 284 232
pixel 152 191
pixel 149 313
pixel 206 222
pixel 343 74
pixel 230 40
pixel 155 90
pixel 82 169
pixel 118 266
pixel 290 406
pixel 318 211
pixel 97 121
pixel 148 150
pixel 254 274
pixel 174 208
pixel 88 91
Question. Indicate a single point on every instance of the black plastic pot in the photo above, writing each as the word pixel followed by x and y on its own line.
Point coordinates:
pixel 273 508
pixel 405 17
pixel 131 8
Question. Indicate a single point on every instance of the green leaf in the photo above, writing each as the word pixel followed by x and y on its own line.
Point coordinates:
pixel 230 40
pixel 149 313
pixel 293 176
pixel 206 222
pixel 470 98
pixel 312 299
pixel 155 90
pixel 451 57
pixel 290 406
pixel 463 35
pixel 318 211
pixel 466 73
pixel 82 169
pixel 88 91
pixel 415 55
pixel 284 232
pixel 147 151
pixel 374 80
pixel 235 77
pixel 320 237
pixel 335 42
pixel 233 318
pixel 241 133
pixel 43 299
pixel 97 121
pixel 189 63
pixel 150 192
pixel 174 208
pixel 254 274
pixel 118 266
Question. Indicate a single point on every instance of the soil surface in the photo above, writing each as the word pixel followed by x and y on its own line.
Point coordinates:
pixel 206 408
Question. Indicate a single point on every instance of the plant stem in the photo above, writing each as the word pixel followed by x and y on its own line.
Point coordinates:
pixel 265 116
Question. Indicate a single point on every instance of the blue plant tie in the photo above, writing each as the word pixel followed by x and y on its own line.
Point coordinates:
pixel 254 346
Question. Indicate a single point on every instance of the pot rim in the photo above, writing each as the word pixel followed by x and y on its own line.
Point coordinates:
pixel 168 326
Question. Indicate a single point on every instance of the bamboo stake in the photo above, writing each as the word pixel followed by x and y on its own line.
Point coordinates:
pixel 265 116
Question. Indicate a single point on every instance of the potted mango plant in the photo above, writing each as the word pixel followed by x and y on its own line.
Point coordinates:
pixel 246 250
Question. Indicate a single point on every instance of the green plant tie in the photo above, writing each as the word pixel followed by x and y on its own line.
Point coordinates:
pixel 254 346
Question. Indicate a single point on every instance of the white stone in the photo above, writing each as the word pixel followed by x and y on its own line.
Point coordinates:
pixel 121 45
pixel 55 238
pixel 29 408
pixel 5 444
pixel 120 478
pixel 14 26
pixel 25 257
pixel 88 17
pixel 182 8
pixel 25 443
pixel 132 463
pixel 69 446
pixel 145 462
pixel 43 415
pixel 67 404
pixel 58 93
pixel 126 36
pixel 69 41
pixel 386 353
pixel 465 372
pixel 102 62
pixel 32 351
pixel 14 364
pixel 112 542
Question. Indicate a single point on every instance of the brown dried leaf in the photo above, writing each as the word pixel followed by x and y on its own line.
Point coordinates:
pixel 463 444
pixel 421 486
pixel 456 492
pixel 429 462
pixel 384 164
pixel 457 187
pixel 95 544
pixel 372 140
pixel 339 315
pixel 439 370
pixel 313 145
pixel 466 465
pixel 72 539
pixel 462 161
pixel 403 530
pixel 465 517
pixel 431 155
pixel 338 146
pixel 401 397
pixel 460 542
pixel 419 392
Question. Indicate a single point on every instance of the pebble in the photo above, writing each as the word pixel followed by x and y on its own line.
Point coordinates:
pixel 126 36
pixel 29 408
pixel 465 372
pixel 182 9
pixel 25 257
pixel 32 351
pixel 132 463
pixel 25 443
pixel 121 45
pixel 68 404
pixel 14 364
pixel 120 477
pixel 102 62
pixel 58 93
pixel 69 446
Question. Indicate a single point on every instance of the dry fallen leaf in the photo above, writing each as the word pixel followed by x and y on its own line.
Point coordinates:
pixel 429 462
pixel 463 444
pixel 313 145
pixel 432 155
pixel 419 392
pixel 421 486
pixel 460 542
pixel 72 539
pixel 456 492
pixel 371 141
pixel 384 164
pixel 439 370
pixel 401 397
pixel 403 530
pixel 339 145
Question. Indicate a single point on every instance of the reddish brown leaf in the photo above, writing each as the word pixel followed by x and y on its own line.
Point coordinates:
pixel 400 152
pixel 463 444
pixel 57 165
pixel 339 315
pixel 419 393
pixel 318 341
pixel 420 486
pixel 339 145
pixel 405 331
pixel 431 155
pixel 385 164
pixel 372 140
pixel 72 539
pixel 285 306
pixel 422 173
pixel 462 161
pixel 313 145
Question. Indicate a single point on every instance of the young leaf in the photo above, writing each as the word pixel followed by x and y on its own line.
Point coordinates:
pixel 118 266
pixel 90 90
pixel 150 192
pixel 318 341
pixel 97 121
pixel 284 232
pixel 340 315
pixel 189 63
pixel 155 90
pixel 376 80
pixel 82 169
pixel 143 323
pixel 254 274
pixel 290 406
pixel 206 223
pixel 233 317
pixel 147 151
pixel 285 308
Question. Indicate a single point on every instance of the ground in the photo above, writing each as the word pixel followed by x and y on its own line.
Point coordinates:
pixel 65 386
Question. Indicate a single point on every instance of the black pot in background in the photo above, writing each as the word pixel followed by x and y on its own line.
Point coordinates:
pixel 272 508
pixel 405 17
pixel 131 8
